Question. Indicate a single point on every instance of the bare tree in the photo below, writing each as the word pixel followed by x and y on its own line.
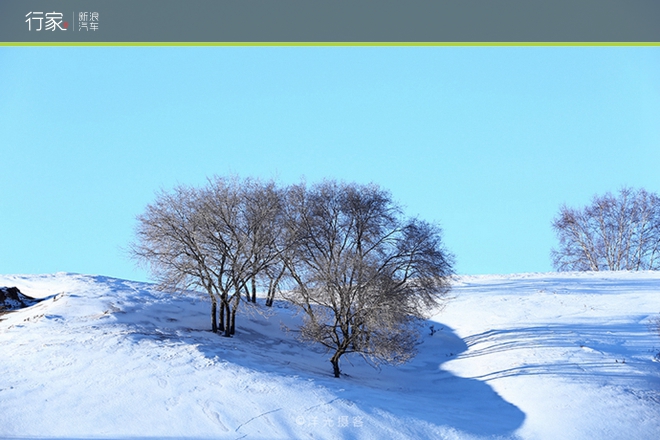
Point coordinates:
pixel 216 238
pixel 613 233
pixel 170 242
pixel 360 272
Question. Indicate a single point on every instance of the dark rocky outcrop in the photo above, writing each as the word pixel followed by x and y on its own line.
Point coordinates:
pixel 12 299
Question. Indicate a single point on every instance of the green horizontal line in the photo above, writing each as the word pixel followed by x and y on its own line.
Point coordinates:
pixel 323 43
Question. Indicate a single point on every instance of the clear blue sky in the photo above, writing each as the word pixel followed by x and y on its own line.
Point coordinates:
pixel 488 141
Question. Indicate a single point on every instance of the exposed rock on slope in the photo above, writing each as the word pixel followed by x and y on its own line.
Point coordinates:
pixel 12 299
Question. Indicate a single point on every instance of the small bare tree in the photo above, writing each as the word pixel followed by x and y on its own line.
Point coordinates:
pixel 360 272
pixel 216 238
pixel 613 233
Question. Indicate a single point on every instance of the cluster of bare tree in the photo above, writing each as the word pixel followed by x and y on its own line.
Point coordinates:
pixel 344 253
pixel 613 233
pixel 218 238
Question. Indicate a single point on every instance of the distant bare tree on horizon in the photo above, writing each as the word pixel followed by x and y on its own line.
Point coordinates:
pixel 619 232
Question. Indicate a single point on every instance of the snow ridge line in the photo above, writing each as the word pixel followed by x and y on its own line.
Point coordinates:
pixel 256 417
pixel 322 404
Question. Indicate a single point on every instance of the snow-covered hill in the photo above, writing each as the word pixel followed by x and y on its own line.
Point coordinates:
pixel 531 356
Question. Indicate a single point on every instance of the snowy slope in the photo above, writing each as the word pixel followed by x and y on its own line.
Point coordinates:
pixel 533 356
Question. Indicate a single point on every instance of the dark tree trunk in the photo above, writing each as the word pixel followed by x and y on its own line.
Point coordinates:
pixel 272 287
pixel 214 314
pixel 233 321
pixel 227 320
pixel 271 293
pixel 254 290
pixel 335 363
pixel 223 306
pixel 335 367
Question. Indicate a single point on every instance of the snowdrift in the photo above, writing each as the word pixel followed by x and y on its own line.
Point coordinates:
pixel 530 356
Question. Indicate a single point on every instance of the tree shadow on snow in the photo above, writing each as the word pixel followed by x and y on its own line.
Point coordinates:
pixel 419 390
pixel 422 389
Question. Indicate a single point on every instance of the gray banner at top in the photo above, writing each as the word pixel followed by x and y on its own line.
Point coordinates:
pixel 321 21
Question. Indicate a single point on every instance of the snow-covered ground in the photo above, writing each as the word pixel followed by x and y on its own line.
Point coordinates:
pixel 530 356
